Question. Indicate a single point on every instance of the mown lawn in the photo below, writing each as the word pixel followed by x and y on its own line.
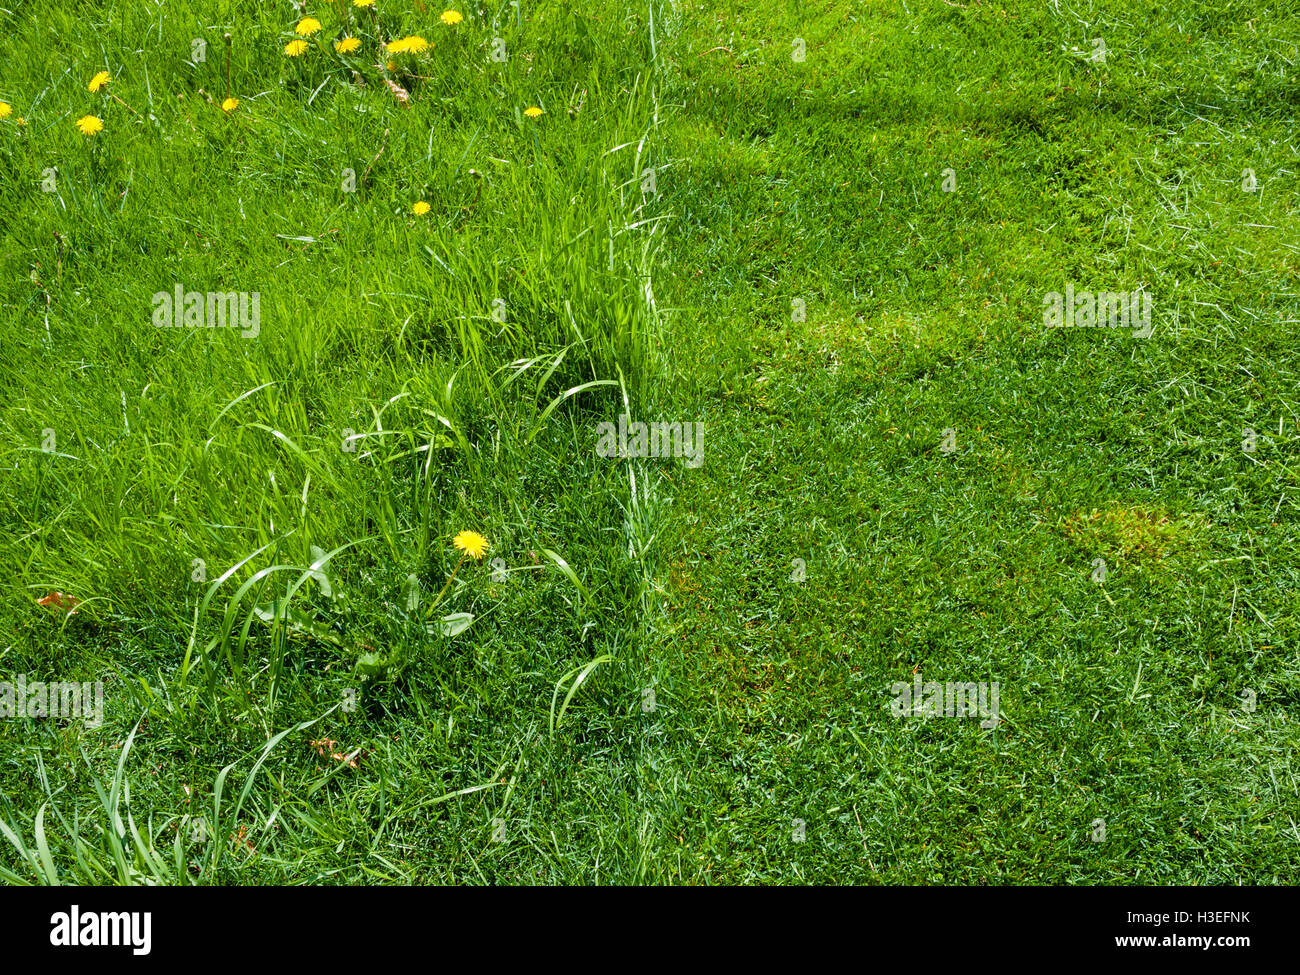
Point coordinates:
pixel 825 232
pixel 1124 702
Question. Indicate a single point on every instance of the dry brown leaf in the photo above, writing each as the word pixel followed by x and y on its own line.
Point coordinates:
pixel 325 744
pixel 61 601
pixel 326 747
pixel 241 839
pixel 400 93
pixel 352 758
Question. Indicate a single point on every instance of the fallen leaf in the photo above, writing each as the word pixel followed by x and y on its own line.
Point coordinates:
pixel 240 839
pixel 326 747
pixel 351 759
pixel 398 91
pixel 61 601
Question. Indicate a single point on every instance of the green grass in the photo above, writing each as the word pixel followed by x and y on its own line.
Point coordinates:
pixel 198 475
pixel 320 469
pixel 822 181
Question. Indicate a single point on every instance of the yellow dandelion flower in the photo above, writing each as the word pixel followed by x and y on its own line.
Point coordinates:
pixel 363 3
pixel 390 65
pixel 409 45
pixel 420 208
pixel 471 543
pixel 295 48
pixel 451 17
pixel 533 111
pixel 5 109
pixel 230 104
pixel 347 45
pixel 89 125
pixel 20 120
pixel 99 81
pixel 307 26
